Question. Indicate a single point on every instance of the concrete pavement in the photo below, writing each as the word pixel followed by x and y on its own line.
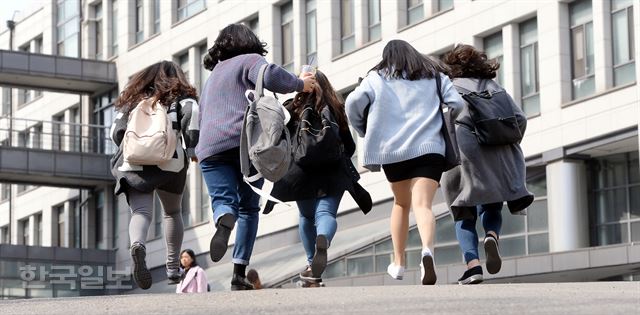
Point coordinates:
pixel 534 298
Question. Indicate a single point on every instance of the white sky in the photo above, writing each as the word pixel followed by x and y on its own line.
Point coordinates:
pixel 25 7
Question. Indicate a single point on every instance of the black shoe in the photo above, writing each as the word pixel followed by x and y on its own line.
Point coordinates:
pixel 174 278
pixel 239 283
pixel 307 275
pixel 471 276
pixel 319 262
pixel 220 240
pixel 141 274
pixel 494 262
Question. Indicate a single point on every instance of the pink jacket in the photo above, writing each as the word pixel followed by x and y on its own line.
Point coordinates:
pixel 194 282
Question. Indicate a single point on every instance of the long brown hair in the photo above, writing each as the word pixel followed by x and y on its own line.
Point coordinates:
pixel 323 94
pixel 465 61
pixel 163 81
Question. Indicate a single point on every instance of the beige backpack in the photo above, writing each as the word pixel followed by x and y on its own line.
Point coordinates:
pixel 149 138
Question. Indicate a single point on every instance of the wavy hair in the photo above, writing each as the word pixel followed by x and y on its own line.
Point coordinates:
pixel 233 40
pixel 323 94
pixel 164 81
pixel 464 61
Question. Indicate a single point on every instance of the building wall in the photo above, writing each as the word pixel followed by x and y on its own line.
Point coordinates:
pixel 560 123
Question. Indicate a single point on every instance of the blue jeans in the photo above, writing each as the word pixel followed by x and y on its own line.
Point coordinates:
pixel 491 217
pixel 317 217
pixel 231 195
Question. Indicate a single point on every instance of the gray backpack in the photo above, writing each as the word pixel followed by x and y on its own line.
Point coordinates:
pixel 265 141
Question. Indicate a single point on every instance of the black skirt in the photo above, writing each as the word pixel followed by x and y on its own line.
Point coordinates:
pixel 428 165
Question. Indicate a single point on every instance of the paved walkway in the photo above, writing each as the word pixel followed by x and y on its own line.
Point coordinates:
pixel 554 298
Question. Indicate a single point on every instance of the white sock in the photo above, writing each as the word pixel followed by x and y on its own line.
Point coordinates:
pixel 426 252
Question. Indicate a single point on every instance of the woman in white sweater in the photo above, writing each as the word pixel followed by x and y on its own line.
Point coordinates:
pixel 397 110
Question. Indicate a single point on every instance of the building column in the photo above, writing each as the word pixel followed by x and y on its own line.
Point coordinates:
pixel 299 35
pixel 554 56
pixel 360 22
pixel 511 59
pixel 328 17
pixel 567 205
pixel 32 230
pixel 269 24
pixel 603 58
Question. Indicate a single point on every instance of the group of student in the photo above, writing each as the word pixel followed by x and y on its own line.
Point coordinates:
pixel 402 109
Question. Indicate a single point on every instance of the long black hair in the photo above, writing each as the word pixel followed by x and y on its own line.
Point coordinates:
pixel 401 61
pixel 233 40
pixel 193 257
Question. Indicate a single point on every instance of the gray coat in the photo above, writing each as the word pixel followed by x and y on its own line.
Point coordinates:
pixel 487 174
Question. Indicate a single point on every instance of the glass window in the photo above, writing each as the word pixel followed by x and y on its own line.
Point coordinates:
pixel 204 73
pixel 6 101
pixel 114 27
pixel 582 53
pixel 286 29
pixel 347 26
pixel 183 62
pixel 68 24
pixel 335 269
pixel 5 191
pixel 76 235
pixel 156 16
pixel 97 36
pixel 493 49
pixel 59 212
pixel 205 200
pixel 529 67
pixel 374 20
pixel 24 227
pixel 187 8
pixel 445 230
pixel 444 5
pixel 614 198
pixel 103 115
pixel 311 32
pixel 4 233
pixel 446 255
pixel 624 67
pixel 39 236
pixel 100 221
pixel 359 265
pixel 139 21
pixel 415 11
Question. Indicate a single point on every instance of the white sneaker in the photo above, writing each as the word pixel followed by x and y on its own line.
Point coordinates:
pixel 427 270
pixel 395 271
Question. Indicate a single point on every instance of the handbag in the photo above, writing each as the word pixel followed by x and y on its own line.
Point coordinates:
pixel 452 152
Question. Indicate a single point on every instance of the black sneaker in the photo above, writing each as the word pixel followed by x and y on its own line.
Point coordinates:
pixel 141 274
pixel 174 277
pixel 319 262
pixel 307 275
pixel 220 240
pixel 471 276
pixel 239 283
pixel 494 262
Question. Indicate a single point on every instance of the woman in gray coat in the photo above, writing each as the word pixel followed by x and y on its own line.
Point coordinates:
pixel 488 175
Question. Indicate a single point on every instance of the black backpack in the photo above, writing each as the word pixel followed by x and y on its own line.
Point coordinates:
pixel 491 111
pixel 317 139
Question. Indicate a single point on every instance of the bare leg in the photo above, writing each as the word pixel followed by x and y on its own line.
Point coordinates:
pixel 400 219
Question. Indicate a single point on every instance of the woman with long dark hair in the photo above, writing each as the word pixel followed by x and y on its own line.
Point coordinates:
pixel 318 186
pixel 396 109
pixel 194 278
pixel 164 84
pixel 235 60
pixel 488 175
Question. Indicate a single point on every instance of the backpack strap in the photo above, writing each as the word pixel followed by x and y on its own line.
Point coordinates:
pixel 439 87
pixel 260 81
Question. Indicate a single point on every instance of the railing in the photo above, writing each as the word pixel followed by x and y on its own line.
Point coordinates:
pixel 55 135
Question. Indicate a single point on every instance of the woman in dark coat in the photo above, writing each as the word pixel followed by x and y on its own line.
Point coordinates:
pixel 488 175
pixel 318 188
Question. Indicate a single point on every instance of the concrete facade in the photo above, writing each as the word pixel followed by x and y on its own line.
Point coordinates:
pixel 601 124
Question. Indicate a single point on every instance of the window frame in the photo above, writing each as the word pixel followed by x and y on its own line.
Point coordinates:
pixel 287 25
pixel 312 55
pixel 138 27
pixel 536 69
pixel 350 37
pixel 630 41
pixel 410 9
pixel 377 25
pixel 586 76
